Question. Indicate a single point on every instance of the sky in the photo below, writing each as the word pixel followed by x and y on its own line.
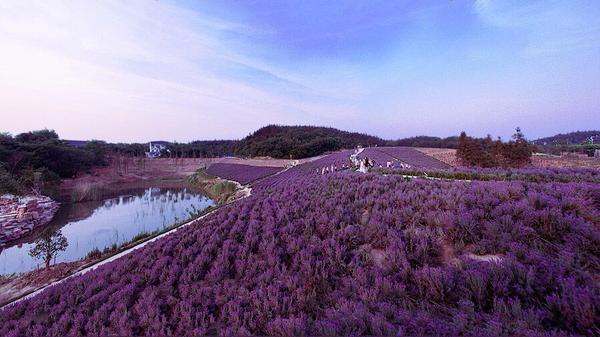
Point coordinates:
pixel 141 70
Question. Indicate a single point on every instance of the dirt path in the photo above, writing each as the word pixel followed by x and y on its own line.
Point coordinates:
pixel 448 156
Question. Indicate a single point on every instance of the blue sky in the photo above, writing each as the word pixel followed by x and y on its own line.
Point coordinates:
pixel 184 70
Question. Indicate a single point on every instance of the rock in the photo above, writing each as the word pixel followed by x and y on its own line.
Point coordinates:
pixel 485 258
pixel 21 215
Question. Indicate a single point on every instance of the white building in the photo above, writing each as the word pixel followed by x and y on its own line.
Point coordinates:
pixel 155 149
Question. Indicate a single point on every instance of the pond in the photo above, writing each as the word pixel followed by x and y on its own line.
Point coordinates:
pixel 100 224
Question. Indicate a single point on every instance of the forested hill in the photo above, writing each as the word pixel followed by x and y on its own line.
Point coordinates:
pixel 571 138
pixel 301 141
pixel 427 141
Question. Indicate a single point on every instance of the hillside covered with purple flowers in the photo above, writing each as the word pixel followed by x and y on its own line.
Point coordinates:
pixel 345 253
pixel 243 174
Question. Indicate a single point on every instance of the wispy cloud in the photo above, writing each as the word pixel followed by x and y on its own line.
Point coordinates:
pixel 138 70
pixel 138 56
pixel 549 26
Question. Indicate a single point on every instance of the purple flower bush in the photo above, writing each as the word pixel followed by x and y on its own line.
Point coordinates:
pixel 244 174
pixel 350 254
pixel 380 158
pixel 335 162
pixel 530 174
pixel 339 160
pixel 412 157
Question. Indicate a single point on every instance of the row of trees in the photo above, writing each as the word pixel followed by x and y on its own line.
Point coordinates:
pixel 583 142
pixel 35 159
pixel 32 159
pixel 427 141
pixel 196 149
pixel 203 149
pixel 571 138
pixel 486 152
pixel 281 142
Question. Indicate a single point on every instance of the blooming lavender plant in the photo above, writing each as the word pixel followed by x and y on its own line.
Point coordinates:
pixel 244 174
pixel 413 157
pixel 350 254
pixel 530 174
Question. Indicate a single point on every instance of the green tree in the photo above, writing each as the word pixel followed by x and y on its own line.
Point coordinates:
pixel 471 151
pixel 37 136
pixel 48 246
pixel 518 151
pixel 462 149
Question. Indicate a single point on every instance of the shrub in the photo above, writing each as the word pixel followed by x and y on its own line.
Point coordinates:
pixel 8 184
pixel 93 254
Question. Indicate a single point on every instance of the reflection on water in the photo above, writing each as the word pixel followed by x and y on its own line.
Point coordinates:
pixel 100 224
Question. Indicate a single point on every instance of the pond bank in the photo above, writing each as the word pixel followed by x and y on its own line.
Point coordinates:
pixel 126 170
pixel 16 288
pixel 88 227
pixel 223 192
pixel 20 215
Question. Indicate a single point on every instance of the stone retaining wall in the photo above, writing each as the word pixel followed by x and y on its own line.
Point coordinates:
pixel 20 215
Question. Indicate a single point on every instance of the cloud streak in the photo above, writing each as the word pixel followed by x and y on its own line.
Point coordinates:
pixel 139 70
pixel 550 26
pixel 100 62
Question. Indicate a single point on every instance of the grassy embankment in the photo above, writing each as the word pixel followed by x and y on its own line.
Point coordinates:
pixel 220 190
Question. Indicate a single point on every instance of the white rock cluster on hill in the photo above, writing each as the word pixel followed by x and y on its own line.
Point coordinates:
pixel 20 215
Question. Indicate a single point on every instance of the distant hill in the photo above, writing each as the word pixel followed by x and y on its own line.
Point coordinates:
pixel 301 141
pixel 278 141
pixel 571 138
pixel 75 143
pixel 427 141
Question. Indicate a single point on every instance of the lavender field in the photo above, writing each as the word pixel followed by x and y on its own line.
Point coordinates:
pixel 397 156
pixel 351 254
pixel 379 157
pixel 413 157
pixel 305 168
pixel 244 174
pixel 530 174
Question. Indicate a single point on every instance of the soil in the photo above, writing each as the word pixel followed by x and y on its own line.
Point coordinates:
pixel 448 256
pixel 570 161
pixel 19 285
pixel 448 156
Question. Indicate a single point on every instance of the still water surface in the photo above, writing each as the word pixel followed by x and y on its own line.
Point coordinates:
pixel 100 224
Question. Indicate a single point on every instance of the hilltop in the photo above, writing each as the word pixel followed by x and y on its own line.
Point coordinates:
pixel 571 138
pixel 296 142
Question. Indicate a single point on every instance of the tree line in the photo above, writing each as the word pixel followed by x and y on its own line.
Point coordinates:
pixel 32 159
pixel 35 159
pixel 486 152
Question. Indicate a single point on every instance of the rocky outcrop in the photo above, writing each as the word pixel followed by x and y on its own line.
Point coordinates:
pixel 20 215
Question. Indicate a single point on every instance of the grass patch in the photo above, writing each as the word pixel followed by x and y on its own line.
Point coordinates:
pixel 220 190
